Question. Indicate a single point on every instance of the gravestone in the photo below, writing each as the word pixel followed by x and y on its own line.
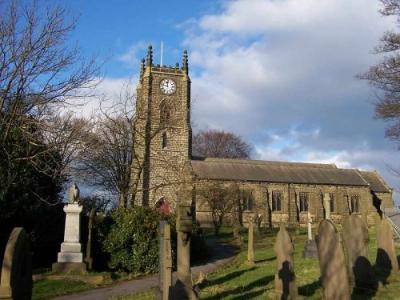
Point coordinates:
pixel 386 256
pixel 16 271
pixel 310 248
pixel 88 258
pixel 355 241
pixel 165 260
pixel 70 258
pixel 183 288
pixel 237 235
pixel 332 263
pixel 250 246
pixel 327 206
pixel 309 226
pixel 285 284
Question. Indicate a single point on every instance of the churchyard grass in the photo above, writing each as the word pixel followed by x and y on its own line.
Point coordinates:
pixel 237 280
pixel 46 289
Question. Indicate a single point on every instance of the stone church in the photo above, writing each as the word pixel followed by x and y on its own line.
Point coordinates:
pixel 275 191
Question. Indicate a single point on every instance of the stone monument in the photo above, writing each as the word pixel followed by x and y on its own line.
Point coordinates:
pixel 285 284
pixel 334 278
pixel 355 240
pixel 70 258
pixel 250 246
pixel 183 288
pixel 310 248
pixel 16 271
pixel 327 206
pixel 386 256
pixel 165 260
pixel 89 258
pixel 237 235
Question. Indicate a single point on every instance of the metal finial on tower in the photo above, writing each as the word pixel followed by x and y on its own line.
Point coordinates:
pixel 142 67
pixel 162 53
pixel 149 58
pixel 185 64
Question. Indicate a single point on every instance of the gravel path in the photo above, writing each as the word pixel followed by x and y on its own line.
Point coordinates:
pixel 221 255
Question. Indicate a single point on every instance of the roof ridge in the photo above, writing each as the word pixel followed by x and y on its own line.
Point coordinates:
pixel 258 161
pixel 380 178
pixel 359 174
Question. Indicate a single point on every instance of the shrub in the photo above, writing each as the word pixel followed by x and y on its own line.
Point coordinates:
pixel 130 238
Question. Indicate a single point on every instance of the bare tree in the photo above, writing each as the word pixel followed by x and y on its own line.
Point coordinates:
pixel 39 71
pixel 106 152
pixel 65 134
pixel 37 68
pixel 216 143
pixel 220 200
pixel 385 75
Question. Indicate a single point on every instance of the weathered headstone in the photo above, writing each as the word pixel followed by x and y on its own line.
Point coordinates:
pixel 309 226
pixel 285 284
pixel 310 248
pixel 183 288
pixel 327 206
pixel 237 235
pixel 16 271
pixel 332 264
pixel 355 240
pixel 386 255
pixel 165 260
pixel 250 245
pixel 70 258
pixel 88 258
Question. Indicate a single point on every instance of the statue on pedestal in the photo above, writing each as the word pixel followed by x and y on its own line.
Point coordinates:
pixel 70 258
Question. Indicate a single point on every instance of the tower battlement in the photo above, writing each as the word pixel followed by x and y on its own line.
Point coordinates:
pixel 177 69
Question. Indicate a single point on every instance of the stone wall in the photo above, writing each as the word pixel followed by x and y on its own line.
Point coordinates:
pixel 290 207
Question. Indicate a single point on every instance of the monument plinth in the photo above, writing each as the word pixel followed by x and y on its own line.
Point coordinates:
pixel 70 257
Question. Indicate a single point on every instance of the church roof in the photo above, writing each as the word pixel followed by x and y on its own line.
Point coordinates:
pixel 375 181
pixel 275 171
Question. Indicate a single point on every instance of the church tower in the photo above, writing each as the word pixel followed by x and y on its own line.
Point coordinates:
pixel 162 135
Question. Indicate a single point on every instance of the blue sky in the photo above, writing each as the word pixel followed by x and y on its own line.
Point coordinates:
pixel 282 74
pixel 110 29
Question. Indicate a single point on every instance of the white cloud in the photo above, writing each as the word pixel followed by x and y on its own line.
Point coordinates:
pixel 134 54
pixel 257 16
pixel 283 75
pixel 107 93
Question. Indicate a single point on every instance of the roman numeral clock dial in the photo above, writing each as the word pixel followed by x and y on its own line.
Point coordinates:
pixel 168 86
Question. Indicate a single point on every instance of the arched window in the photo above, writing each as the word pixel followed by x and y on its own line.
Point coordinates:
pixel 247 200
pixel 276 200
pixel 165 114
pixel 303 199
pixel 355 203
pixel 164 140
pixel 332 202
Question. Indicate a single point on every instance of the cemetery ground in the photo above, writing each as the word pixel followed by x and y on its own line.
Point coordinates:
pixel 236 280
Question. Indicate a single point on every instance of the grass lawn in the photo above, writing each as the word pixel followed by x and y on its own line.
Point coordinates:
pixel 236 280
pixel 46 289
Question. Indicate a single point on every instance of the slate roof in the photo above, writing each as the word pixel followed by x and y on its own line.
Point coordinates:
pixel 275 171
pixel 375 181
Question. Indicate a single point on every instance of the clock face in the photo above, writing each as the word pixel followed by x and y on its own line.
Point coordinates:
pixel 167 86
